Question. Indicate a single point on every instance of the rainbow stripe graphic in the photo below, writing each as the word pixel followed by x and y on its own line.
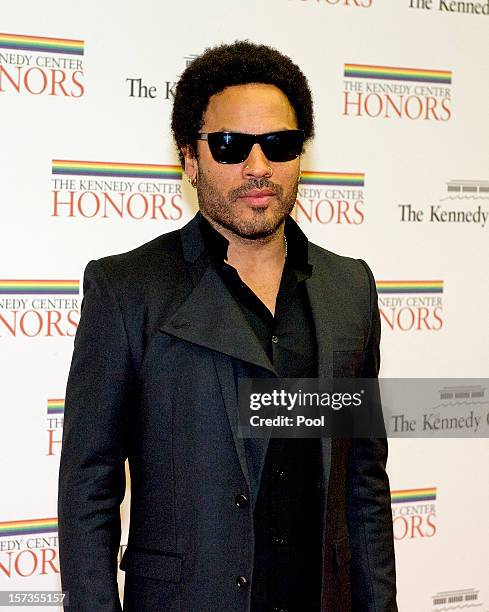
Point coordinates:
pixel 94 168
pixel 349 179
pixel 39 287
pixel 413 495
pixel 56 406
pixel 392 73
pixel 41 44
pixel 12 528
pixel 397 286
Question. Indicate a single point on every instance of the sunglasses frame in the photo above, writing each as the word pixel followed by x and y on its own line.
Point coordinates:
pixel 252 138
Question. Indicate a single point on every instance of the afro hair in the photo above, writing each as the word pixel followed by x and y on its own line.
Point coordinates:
pixel 236 64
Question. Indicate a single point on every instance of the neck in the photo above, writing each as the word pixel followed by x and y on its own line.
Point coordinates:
pixel 256 256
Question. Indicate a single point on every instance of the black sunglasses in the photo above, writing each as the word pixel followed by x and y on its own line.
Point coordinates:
pixel 234 147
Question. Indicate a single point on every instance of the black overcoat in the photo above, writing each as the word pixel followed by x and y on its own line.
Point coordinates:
pixel 152 380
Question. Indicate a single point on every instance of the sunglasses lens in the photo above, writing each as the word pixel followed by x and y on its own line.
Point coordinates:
pixel 283 146
pixel 229 147
pixel 234 148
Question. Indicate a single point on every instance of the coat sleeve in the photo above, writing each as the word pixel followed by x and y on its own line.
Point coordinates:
pixel 369 513
pixel 94 449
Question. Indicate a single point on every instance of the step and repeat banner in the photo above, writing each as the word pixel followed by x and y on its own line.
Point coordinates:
pixel 398 175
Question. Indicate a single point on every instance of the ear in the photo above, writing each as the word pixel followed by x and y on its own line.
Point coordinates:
pixel 191 167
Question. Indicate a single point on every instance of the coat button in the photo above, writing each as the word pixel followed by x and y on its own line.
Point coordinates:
pixel 280 541
pixel 274 339
pixel 242 583
pixel 241 501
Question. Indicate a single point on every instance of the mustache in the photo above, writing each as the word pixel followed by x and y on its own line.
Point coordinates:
pixel 261 183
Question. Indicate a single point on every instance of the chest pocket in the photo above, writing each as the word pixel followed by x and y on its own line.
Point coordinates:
pixel 347 356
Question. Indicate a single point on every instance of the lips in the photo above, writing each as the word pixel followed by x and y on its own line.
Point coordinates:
pixel 258 197
pixel 258 193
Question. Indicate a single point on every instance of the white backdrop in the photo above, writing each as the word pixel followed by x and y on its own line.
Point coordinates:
pixel 408 120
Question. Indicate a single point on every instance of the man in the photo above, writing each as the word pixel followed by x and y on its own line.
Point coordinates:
pixel 221 523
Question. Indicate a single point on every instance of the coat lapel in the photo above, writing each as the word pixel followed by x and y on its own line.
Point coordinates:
pixel 210 317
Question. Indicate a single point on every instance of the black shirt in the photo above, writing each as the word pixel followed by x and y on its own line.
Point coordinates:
pixel 287 563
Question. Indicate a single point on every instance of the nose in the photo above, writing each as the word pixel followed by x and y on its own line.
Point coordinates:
pixel 256 164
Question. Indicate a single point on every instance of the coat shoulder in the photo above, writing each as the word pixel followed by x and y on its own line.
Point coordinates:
pixel 349 274
pixel 153 261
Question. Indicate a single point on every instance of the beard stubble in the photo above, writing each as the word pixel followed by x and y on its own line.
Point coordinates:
pixel 224 209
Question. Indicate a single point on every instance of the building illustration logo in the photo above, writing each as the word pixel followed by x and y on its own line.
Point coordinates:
pixel 466 394
pixel 464 189
pixel 456 600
